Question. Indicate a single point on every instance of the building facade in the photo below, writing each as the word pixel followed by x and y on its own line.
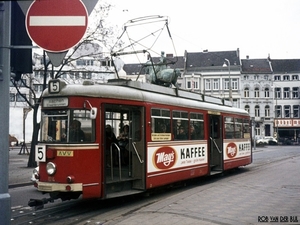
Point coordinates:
pixel 257 94
pixel 286 87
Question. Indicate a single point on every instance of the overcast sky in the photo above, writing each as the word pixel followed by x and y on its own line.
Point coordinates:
pixel 256 27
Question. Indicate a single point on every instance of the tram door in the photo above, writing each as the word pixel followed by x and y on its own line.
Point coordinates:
pixel 124 149
pixel 215 144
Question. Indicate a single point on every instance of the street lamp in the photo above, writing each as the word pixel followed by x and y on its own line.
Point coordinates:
pixel 275 110
pixel 229 85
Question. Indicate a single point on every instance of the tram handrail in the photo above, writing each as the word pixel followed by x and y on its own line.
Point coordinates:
pixel 213 140
pixel 133 145
pixel 111 161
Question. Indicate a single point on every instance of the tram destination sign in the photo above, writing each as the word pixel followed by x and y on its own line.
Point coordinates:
pixel 56 25
pixel 55 102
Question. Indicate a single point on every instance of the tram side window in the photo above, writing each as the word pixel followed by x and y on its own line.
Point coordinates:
pixel 229 127
pixel 196 126
pixel 246 128
pixel 238 128
pixel 160 125
pixel 180 125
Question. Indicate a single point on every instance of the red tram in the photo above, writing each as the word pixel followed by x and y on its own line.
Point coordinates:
pixel 173 135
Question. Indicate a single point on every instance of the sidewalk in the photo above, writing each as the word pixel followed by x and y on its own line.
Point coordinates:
pixel 19 174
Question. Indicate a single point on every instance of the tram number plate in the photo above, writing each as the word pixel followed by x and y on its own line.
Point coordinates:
pixel 54 86
pixel 40 153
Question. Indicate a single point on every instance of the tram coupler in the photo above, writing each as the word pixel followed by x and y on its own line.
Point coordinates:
pixel 39 203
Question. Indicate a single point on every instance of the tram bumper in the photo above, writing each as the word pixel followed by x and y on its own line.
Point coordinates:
pixel 62 191
pixel 56 187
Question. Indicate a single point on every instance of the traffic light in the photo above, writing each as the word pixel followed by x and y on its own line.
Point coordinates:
pixel 21 58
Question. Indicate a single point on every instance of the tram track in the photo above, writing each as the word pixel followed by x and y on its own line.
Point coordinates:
pixel 35 217
pixel 68 213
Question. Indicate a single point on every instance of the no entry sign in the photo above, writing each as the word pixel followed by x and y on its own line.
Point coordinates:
pixel 56 25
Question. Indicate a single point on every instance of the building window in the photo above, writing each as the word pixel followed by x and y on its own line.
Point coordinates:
pixel 256 111
pixel 267 111
pixel 246 92
pixel 86 75
pixel 246 77
pixel 192 83
pixel 195 83
pixel 277 93
pixel 266 77
pixel 38 87
pixel 226 84
pixel 286 77
pixel 188 84
pixel 20 83
pixel 295 77
pixel 278 111
pixel 256 77
pixel 216 84
pixel 64 75
pixel 295 92
pixel 267 93
pixel 277 78
pixel 256 92
pixel 11 97
pixel 257 129
pixel 296 111
pixel 80 62
pixel 234 84
pixel 286 92
pixel 287 111
pixel 247 108
pixel 19 98
pixel 207 84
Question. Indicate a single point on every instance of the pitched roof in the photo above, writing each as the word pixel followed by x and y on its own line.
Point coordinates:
pixel 256 66
pixel 209 59
pixel 285 65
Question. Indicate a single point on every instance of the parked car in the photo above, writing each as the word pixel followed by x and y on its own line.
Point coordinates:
pixel 266 140
pixel 271 140
pixel 262 141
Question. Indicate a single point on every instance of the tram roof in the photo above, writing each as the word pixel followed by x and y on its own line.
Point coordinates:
pixel 145 92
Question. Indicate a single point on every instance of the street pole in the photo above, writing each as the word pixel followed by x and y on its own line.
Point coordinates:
pixel 5 200
pixel 253 132
pixel 276 120
pixel 229 78
pixel 275 112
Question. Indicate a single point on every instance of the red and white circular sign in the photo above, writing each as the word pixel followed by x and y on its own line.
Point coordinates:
pixel 56 25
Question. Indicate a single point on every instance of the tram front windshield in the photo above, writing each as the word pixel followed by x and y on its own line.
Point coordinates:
pixel 67 126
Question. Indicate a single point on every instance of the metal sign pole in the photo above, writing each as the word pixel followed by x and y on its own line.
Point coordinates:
pixel 5 200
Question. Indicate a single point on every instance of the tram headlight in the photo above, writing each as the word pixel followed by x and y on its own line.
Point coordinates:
pixel 51 168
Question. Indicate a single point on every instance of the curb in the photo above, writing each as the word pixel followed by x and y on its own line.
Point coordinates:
pixel 20 185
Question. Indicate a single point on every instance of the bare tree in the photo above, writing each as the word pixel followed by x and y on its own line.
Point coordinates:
pixel 97 32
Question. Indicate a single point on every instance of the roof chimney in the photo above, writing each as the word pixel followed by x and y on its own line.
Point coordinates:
pixel 247 56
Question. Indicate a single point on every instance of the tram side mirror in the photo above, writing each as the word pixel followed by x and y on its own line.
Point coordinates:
pixel 93 113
